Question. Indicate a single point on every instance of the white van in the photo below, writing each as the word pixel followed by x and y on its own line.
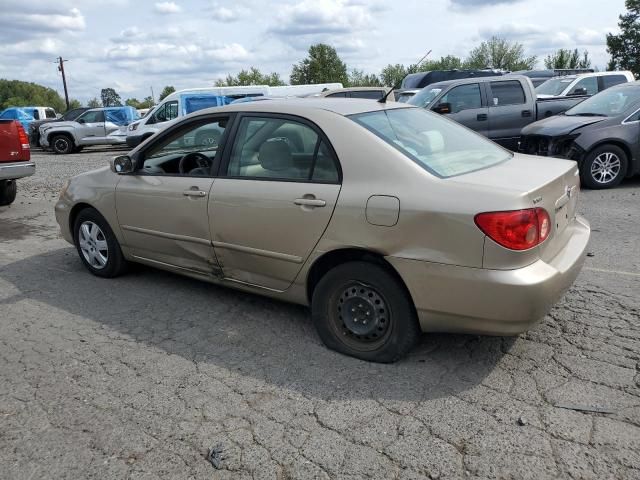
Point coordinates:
pixel 191 100
pixel 185 102
pixel 582 84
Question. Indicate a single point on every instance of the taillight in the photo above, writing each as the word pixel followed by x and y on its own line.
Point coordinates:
pixel 24 141
pixel 516 229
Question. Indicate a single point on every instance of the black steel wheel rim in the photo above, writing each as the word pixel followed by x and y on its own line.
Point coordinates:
pixel 361 316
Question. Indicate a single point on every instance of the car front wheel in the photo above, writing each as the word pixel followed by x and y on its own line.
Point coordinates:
pixel 604 167
pixel 62 144
pixel 362 310
pixel 97 246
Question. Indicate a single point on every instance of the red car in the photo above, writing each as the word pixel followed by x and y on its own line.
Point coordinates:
pixel 15 157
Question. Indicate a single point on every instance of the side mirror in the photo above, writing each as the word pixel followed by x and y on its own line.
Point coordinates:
pixel 579 91
pixel 442 108
pixel 81 120
pixel 122 164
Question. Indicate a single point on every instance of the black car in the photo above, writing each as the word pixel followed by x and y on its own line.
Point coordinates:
pixel 34 127
pixel 601 133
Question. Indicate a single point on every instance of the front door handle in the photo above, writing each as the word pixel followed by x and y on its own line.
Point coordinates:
pixel 482 117
pixel 526 113
pixel 194 192
pixel 310 202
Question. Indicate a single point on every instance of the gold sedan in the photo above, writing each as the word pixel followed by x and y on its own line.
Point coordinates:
pixel 385 219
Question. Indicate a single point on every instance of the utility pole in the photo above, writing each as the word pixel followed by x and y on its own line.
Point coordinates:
pixel 153 99
pixel 64 80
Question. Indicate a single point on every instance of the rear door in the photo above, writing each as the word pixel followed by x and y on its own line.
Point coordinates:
pixel 270 207
pixel 90 129
pixel 468 107
pixel 509 111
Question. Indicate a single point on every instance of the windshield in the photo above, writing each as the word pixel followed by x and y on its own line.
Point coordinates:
pixel 440 146
pixel 553 86
pixel 609 103
pixel 424 97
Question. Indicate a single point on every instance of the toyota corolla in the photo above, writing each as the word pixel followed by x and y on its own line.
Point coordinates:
pixel 387 220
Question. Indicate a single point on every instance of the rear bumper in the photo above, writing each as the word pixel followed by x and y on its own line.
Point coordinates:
pixel 14 170
pixel 493 302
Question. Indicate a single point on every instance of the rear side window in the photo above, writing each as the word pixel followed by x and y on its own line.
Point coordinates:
pixel 370 94
pixel 36 114
pixel 507 93
pixel 338 95
pixel 611 80
pixel 280 149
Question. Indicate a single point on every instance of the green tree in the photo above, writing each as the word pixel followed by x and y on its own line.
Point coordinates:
pixel 450 62
pixel 501 54
pixel 323 65
pixel 16 93
pixel 73 103
pixel 93 103
pixel 625 47
pixel 166 91
pixel 253 76
pixel 110 98
pixel 135 103
pixel 357 78
pixel 565 58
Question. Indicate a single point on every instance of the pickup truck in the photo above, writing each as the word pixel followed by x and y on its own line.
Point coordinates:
pixel 34 127
pixel 496 107
pixel 97 126
pixel 15 157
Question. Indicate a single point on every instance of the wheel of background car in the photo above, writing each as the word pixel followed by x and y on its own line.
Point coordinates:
pixel 361 310
pixel 8 192
pixel 604 167
pixel 97 246
pixel 197 159
pixel 207 139
pixel 61 144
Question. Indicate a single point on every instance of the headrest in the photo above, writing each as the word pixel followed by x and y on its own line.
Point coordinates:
pixel 275 155
pixel 436 141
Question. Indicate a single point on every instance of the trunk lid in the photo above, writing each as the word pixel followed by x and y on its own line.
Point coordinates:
pixel 535 182
pixel 12 149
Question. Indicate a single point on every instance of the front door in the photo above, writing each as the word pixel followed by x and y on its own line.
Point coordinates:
pixel 467 107
pixel 162 208
pixel 271 208
pixel 91 127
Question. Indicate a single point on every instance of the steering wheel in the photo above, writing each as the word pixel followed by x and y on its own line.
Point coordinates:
pixel 192 161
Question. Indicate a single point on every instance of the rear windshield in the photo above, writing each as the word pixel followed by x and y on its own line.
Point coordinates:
pixel 440 146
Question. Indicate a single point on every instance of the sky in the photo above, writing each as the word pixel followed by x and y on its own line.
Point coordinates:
pixel 138 45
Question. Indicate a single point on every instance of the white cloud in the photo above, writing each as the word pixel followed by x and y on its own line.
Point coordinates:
pixel 167 8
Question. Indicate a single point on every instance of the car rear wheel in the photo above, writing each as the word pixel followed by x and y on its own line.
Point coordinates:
pixel 361 310
pixel 97 246
pixel 8 190
pixel 604 167
pixel 62 144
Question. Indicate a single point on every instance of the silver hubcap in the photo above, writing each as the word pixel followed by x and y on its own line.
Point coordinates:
pixel 93 245
pixel 61 144
pixel 606 167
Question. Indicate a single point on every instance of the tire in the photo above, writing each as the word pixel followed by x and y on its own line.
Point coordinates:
pixel 384 326
pixel 8 191
pixel 99 250
pixel 62 144
pixel 604 167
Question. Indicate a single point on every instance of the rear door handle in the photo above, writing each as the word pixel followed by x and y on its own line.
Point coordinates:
pixel 310 202
pixel 481 117
pixel 526 113
pixel 194 192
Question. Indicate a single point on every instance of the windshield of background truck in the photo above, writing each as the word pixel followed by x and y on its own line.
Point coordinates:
pixel 554 86
pixel 440 146
pixel 424 97
pixel 608 103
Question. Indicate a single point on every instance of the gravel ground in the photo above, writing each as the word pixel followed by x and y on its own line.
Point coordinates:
pixel 139 376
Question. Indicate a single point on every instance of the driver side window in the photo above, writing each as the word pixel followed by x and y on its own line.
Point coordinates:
pixel 166 112
pixel 191 151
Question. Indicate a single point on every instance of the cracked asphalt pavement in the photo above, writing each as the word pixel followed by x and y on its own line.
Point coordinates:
pixel 138 377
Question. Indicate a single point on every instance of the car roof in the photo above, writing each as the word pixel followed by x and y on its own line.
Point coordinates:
pixel 463 81
pixel 303 106
pixel 351 89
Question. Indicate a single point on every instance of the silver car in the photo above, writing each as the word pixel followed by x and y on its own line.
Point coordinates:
pixel 387 220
